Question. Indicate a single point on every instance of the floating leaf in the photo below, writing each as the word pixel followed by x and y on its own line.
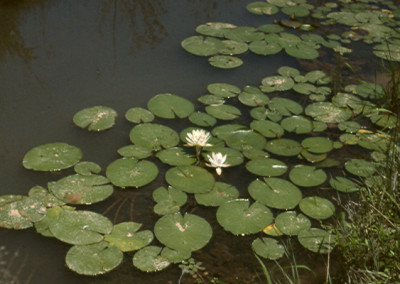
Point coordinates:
pixel 135 151
pixel 223 112
pixel 302 51
pixel 312 158
pixel 285 106
pixel 93 259
pixel 328 112
pixel 262 8
pixel 191 179
pixel 271 28
pixel 290 223
pixel 239 218
pixel 42 226
pixel 87 168
pixel 201 46
pixel 223 131
pixel 79 189
pixel 252 96
pixel 168 200
pixel 234 157
pixel 188 232
pixel 138 115
pixel 283 147
pixel 268 248
pixel 262 47
pixel 275 193
pixel 154 136
pixel 343 184
pixel 202 119
pixel 267 128
pixel 317 207
pixel 245 140
pixel 246 34
pixel 272 230
pixel 297 124
pixel 360 167
pixel 318 145
pixel 216 29
pixel 175 256
pixel 80 227
pixel 129 172
pixel 307 176
pixel 126 237
pixel 43 195
pixel 225 61
pixel 223 90
pixel 148 259
pixel 52 157
pixel 211 100
pixel 233 47
pixel 317 240
pixel 220 193
pixel 170 106
pixel 278 83
pixel 175 157
pixel 261 113
pixel 96 118
pixel 266 167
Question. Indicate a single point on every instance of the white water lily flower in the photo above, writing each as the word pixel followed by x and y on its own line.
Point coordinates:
pixel 198 137
pixel 217 160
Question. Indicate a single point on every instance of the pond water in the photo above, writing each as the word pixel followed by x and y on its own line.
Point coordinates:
pixel 58 57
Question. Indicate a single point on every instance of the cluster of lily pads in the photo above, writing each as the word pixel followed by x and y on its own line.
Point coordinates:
pixel 276 201
pixel 223 42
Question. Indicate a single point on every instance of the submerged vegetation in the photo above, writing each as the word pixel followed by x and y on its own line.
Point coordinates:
pixel 322 156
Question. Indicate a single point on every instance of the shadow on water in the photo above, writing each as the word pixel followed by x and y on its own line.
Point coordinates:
pixel 57 57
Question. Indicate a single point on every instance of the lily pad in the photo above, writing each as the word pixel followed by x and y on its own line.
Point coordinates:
pixel 80 227
pixel 45 196
pixel 225 61
pixel 223 112
pixel 188 232
pixel 275 193
pixel 284 106
pixel 313 158
pixel 302 51
pixel 343 184
pixel 129 172
pixel 87 168
pixel 220 193
pixel 262 47
pixel 278 83
pixel 202 119
pixel 168 200
pixel 262 8
pixel 328 112
pixel 234 157
pixel 233 47
pixel 317 240
pixel 290 223
pixel 170 106
pixel 201 46
pixel 246 34
pixel 223 90
pixel 52 157
pixel 297 124
pixel 80 189
pixel 252 96
pixel 211 100
pixel 267 128
pixel 96 118
pixel 223 131
pixel 240 218
pixel 360 167
pixel 245 140
pixel 307 176
pixel 317 207
pixel 154 136
pixel 138 115
pixel 266 167
pixel 283 147
pixel 126 237
pixel 191 179
pixel 262 113
pixel 176 157
pixel 268 248
pixel 93 259
pixel 175 256
pixel 216 29
pixel 317 145
pixel 148 259
pixel 135 151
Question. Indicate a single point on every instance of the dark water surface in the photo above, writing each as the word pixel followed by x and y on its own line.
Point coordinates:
pixel 58 57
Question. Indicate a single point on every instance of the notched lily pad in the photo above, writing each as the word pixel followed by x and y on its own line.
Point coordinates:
pixel 170 106
pixel 148 259
pixel 268 248
pixel 307 176
pixel 266 167
pixel 223 112
pixel 317 240
pixel 317 145
pixel 201 46
pixel 154 136
pixel 225 61
pixel 168 200
pixel 191 179
pixel 138 115
pixel 290 223
pixel 176 157
pixel 343 184
pixel 220 193
pixel 283 147
pixel 96 118
pixel 135 151
pixel 202 119
pixel 317 207
pixel 87 168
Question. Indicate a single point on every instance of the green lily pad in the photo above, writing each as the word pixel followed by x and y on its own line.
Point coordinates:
pixel 240 218
pixel 216 29
pixel 268 248
pixel 313 158
pixel 191 179
pixel 290 223
pixel 202 119
pixel 234 157
pixel 297 124
pixel 245 140
pixel 262 113
pixel 20 212
pixel 296 10
pixel 233 47
pixel 223 90
pixel 223 131
pixel 262 8
pixel 252 96
pixel 263 47
pixel 53 213
pixel 52 157
pixel 175 157
pixel 246 34
pixel 138 115
pixel 201 46
pixel 317 240
pixel 275 193
pixel 154 136
pixel 43 195
pixel 188 232
pixel 283 147
pixel 148 259
pixel 349 126
pixel 225 61
pixel 284 106
pixel 343 184
pixel 255 154
pixel 317 207
pixel 223 112
pixel 328 112
pixel 79 189
pixel 129 172
pixel 220 193
pixel 270 28
pixel 360 167
pixel 302 51
pixel 126 237
pixel 278 83
pixel 387 51
pixel 304 88
pixel 288 71
pixel 317 145
pixel 93 259
pixel 87 168
pixel 267 128
pixel 307 176
pixel 170 106
pixel 175 256
pixel 135 151
pixel 168 200
pixel 266 167
pixel 80 227
pixel 96 118
pixel 211 100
